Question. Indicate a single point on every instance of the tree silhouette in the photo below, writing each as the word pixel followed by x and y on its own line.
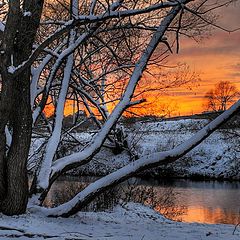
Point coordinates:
pixel 219 98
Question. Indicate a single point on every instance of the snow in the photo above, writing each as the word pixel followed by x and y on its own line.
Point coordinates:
pixel 8 136
pixel 95 145
pixel 112 13
pixel 53 142
pixel 27 14
pixel 35 77
pixel 11 69
pixel 215 157
pixel 144 162
pixel 2 26
pixel 130 221
pixel 179 125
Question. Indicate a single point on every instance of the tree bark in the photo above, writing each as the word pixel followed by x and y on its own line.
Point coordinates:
pixel 16 198
pixel 7 86
pixel 15 107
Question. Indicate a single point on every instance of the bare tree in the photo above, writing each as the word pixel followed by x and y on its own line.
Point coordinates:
pixel 97 49
pixel 224 94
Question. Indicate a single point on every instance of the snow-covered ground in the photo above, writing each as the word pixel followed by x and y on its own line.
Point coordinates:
pixel 131 222
pixel 216 157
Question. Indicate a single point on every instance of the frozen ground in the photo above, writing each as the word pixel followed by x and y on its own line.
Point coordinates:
pixel 216 157
pixel 130 222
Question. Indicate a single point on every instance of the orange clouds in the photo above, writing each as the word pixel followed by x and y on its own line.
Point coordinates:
pixel 216 59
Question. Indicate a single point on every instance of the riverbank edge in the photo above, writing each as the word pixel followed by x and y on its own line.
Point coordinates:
pixel 124 222
pixel 149 175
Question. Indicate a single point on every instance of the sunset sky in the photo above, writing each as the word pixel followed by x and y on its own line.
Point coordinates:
pixel 216 58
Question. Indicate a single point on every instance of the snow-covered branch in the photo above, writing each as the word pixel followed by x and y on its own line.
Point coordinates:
pixel 53 142
pixel 75 159
pixel 145 162
pixel 111 13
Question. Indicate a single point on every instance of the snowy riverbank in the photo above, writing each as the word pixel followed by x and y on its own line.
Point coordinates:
pixel 217 157
pixel 131 221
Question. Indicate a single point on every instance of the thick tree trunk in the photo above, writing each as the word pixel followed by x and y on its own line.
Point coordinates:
pixel 15 104
pixel 7 86
pixel 21 121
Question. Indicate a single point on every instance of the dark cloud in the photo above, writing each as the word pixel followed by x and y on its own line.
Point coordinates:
pixel 220 50
pixel 191 94
pixel 197 96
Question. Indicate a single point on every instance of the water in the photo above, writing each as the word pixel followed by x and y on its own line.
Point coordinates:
pixel 206 201
pixel 182 200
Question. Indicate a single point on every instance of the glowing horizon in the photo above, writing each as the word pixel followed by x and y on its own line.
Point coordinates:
pixel 216 58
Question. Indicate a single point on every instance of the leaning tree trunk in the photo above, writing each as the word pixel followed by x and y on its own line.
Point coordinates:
pixel 15 110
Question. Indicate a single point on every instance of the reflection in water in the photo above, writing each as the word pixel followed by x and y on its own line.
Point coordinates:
pixel 181 200
pixel 64 190
pixel 209 215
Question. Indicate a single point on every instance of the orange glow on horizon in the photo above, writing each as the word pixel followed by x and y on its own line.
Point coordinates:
pixel 216 58
pixel 68 109
pixel 164 105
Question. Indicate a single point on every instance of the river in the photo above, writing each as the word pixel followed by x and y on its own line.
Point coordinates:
pixel 178 199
